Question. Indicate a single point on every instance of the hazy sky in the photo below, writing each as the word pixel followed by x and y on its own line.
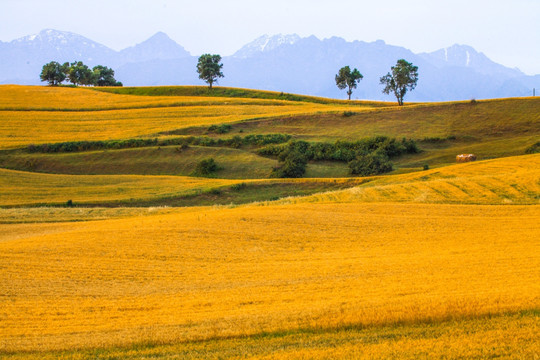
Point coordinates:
pixel 507 31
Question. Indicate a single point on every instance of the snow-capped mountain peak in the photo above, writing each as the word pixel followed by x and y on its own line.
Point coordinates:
pixel 266 43
pixel 52 36
pixel 465 56
pixel 61 44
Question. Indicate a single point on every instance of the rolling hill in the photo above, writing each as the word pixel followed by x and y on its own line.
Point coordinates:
pixel 111 247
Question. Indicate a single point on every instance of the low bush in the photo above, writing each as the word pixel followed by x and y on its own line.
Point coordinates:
pixel 271 150
pixel 370 164
pixel 182 147
pixel 215 191
pixel 293 165
pixel 238 187
pixel 206 167
pixel 220 129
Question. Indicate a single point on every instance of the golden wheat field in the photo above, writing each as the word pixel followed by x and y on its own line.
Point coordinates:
pixel 24 188
pixel 435 264
pixel 56 115
pixel 227 272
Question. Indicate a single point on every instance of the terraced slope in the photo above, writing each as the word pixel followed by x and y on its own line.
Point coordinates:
pixel 26 189
pixel 512 180
pixel 21 188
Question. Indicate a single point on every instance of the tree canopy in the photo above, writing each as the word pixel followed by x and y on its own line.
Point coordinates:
pixel 53 73
pixel 78 74
pixel 403 77
pixel 209 68
pixel 104 76
pixel 347 78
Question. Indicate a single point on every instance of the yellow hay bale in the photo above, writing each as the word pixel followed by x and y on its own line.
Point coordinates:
pixel 465 158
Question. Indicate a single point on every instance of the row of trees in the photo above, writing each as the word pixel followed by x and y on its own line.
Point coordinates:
pixel 78 73
pixel 403 77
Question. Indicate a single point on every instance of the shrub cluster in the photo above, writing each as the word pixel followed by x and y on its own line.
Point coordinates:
pixel 206 167
pixel 292 161
pixel 369 156
pixel 344 150
pixel 370 164
pixel 236 142
pixel 220 129
pixel 238 187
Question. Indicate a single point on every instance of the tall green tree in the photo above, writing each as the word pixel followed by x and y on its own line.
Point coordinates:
pixel 347 78
pixel 53 73
pixel 104 76
pixel 403 77
pixel 80 74
pixel 209 68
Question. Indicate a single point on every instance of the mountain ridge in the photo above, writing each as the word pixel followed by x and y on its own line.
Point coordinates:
pixel 282 62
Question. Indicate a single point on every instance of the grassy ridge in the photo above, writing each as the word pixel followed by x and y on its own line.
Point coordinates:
pixel 463 120
pixel 151 157
pixel 59 99
pixel 122 124
pixel 21 189
pixel 498 181
pixel 235 163
pixel 230 93
pixel 511 180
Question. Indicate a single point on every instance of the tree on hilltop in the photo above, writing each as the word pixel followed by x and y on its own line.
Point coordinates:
pixel 53 73
pixel 404 77
pixel 104 76
pixel 347 78
pixel 209 68
pixel 80 74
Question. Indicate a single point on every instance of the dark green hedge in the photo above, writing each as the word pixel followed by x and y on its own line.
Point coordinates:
pixel 236 142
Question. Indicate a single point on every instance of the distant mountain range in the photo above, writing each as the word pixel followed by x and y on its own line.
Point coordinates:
pixel 285 63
